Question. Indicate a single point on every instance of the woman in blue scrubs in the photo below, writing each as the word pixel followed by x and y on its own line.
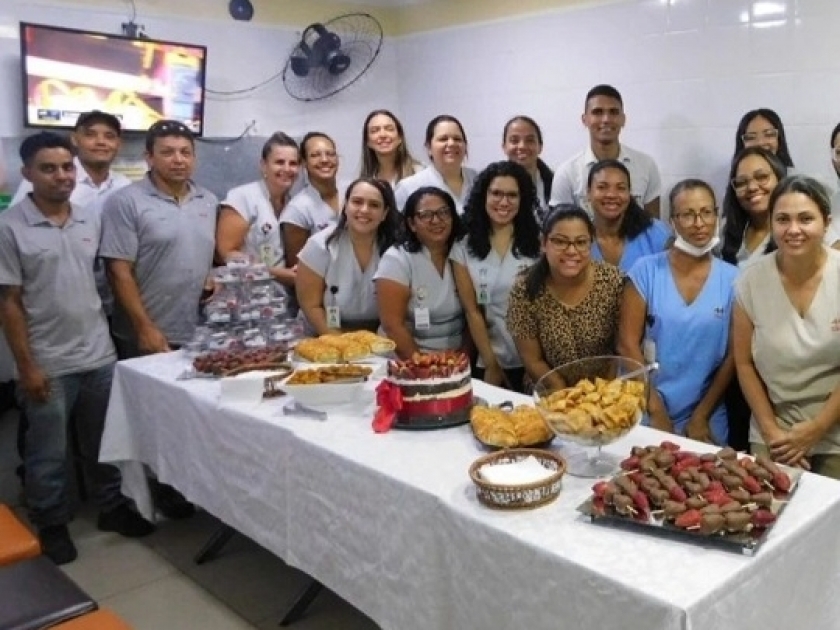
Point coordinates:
pixel 624 232
pixel 676 311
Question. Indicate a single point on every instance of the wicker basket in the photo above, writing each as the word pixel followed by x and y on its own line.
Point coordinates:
pixel 271 387
pixel 518 497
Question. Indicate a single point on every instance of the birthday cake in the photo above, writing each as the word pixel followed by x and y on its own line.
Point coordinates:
pixel 426 391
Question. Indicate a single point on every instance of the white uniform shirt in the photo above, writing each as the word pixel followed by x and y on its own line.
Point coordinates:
pixel 795 356
pixel 430 176
pixel 86 191
pixel 428 291
pixel 492 280
pixel 347 285
pixel 309 212
pixel 264 241
pixel 569 185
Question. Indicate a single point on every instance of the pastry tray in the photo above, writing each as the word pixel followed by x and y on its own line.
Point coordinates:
pixel 746 543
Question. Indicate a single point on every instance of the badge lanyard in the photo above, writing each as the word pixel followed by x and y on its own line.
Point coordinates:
pixel 333 313
pixel 483 292
pixel 422 319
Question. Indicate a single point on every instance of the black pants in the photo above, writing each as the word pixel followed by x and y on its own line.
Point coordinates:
pixel 739 413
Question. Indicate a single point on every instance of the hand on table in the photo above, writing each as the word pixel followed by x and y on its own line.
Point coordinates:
pixel 698 429
pixel 495 375
pixel 151 341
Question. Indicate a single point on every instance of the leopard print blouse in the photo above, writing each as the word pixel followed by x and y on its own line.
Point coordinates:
pixel 569 333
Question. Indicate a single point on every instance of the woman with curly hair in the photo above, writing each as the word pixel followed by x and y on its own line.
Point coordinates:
pixel 415 290
pixel 624 232
pixel 502 242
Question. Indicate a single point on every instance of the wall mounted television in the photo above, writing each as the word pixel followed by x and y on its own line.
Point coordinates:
pixel 67 71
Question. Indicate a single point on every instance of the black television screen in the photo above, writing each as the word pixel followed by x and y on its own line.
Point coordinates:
pixel 67 71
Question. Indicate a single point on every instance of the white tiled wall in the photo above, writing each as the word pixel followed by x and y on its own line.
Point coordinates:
pixel 239 55
pixel 687 69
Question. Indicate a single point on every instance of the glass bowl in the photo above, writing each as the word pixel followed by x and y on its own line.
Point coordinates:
pixel 593 402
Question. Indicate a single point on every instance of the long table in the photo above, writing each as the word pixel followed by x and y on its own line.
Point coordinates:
pixel 390 521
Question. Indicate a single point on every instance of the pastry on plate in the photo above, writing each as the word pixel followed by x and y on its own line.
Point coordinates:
pixel 315 351
pixel 376 343
pixel 349 349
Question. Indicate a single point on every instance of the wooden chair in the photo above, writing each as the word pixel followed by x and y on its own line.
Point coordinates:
pixel 16 541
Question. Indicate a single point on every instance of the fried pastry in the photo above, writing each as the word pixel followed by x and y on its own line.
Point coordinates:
pixel 349 349
pixel 316 351
pixel 376 343
pixel 521 427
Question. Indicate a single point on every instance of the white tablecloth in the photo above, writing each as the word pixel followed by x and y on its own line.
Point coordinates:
pixel 390 522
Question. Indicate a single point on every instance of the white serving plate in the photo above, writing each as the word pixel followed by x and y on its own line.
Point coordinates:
pixel 327 395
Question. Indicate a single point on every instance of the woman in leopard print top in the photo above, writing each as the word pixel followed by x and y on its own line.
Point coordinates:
pixel 566 306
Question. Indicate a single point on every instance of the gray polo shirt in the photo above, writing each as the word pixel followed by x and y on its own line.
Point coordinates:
pixel 171 246
pixel 54 266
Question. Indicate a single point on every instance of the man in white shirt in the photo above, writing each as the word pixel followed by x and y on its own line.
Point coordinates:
pixel 604 117
pixel 97 137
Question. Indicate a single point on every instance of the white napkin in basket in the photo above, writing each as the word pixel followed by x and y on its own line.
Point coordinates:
pixel 523 472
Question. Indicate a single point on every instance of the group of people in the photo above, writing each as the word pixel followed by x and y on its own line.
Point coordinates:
pixel 521 267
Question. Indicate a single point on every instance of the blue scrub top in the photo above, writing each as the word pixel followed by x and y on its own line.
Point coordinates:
pixel 691 339
pixel 651 241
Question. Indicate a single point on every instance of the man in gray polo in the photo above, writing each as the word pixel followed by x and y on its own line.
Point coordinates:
pixel 158 238
pixel 54 324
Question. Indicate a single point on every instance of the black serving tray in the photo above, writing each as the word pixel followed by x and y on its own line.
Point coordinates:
pixel 746 543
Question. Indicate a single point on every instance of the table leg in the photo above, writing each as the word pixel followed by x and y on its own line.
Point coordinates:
pixel 300 605
pixel 214 545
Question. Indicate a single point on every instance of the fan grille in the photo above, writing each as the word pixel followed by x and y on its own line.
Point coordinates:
pixel 361 40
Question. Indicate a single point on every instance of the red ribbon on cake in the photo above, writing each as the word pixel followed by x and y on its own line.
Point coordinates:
pixel 389 401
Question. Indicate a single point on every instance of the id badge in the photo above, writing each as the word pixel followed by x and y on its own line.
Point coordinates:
pixel 333 317
pixel 267 255
pixel 483 297
pixel 422 321
pixel 649 350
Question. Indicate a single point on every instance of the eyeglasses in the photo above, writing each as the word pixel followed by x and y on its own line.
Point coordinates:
pixel 687 219
pixel 497 195
pixel 164 127
pixel 427 216
pixel 580 245
pixel 767 134
pixel 740 184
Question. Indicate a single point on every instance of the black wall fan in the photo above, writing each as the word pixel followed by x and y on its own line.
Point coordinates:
pixel 332 56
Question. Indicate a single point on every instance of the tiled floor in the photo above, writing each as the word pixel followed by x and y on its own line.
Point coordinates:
pixel 154 584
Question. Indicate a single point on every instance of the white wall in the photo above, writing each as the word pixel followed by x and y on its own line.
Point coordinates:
pixel 687 69
pixel 239 55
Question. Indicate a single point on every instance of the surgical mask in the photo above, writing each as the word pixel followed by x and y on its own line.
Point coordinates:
pixel 692 250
